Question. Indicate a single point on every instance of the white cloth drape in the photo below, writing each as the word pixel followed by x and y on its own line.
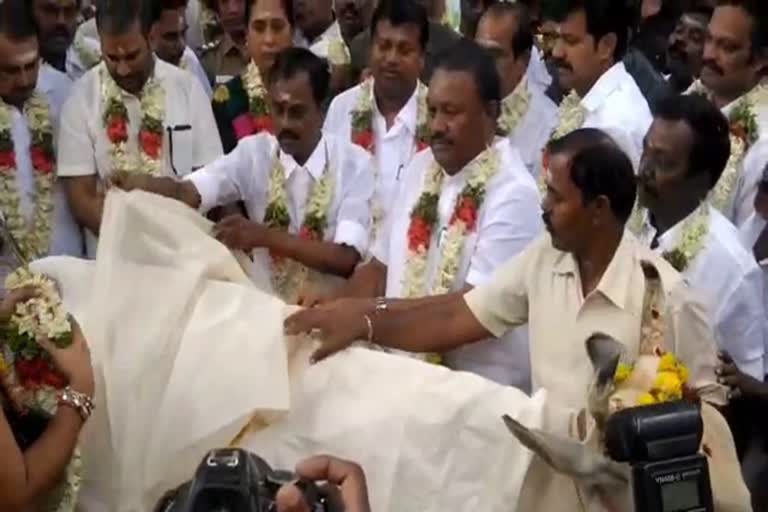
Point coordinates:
pixel 187 351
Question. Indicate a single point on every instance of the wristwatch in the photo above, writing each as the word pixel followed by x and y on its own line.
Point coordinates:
pixel 80 402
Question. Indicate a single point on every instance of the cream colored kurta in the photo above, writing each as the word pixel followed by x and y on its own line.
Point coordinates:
pixel 542 287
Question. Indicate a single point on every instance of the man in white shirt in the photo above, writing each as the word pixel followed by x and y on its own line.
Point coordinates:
pixel 307 195
pixel 592 40
pixel 56 24
pixel 387 114
pixel 28 119
pixel 132 113
pixel 168 37
pixel 686 150
pixel 735 60
pixel 527 115
pixel 318 30
pixel 486 210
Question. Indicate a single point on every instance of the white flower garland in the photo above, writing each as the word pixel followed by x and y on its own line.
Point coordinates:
pixel 723 194
pixel 152 100
pixel 514 107
pixel 42 316
pixel 33 238
pixel 414 280
pixel 572 115
pixel 253 84
pixel 88 56
pixel 288 276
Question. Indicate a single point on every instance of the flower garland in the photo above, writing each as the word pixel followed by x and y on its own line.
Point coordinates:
pixel 115 119
pixel 338 53
pixel 27 372
pixel 514 108
pixel 745 131
pixel 32 237
pixel 572 115
pixel 691 240
pixel 288 275
pixel 670 382
pixel 88 56
pixel 424 219
pixel 362 117
pixel 257 119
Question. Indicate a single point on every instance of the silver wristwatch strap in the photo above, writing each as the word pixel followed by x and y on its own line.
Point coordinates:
pixel 81 402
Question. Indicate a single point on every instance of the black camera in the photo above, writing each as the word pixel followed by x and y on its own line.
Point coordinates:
pixel 233 480
pixel 661 444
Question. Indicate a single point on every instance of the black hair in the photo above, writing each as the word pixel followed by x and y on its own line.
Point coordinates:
pixel 16 20
pixel 468 56
pixel 117 17
pixel 522 41
pixel 287 6
pixel 603 17
pixel 711 134
pixel 158 7
pixel 292 61
pixel 758 11
pixel 402 12
pixel 599 167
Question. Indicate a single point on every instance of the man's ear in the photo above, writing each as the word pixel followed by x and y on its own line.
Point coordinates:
pixel 606 46
pixel 571 458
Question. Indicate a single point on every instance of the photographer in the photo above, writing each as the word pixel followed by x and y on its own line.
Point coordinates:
pixel 27 476
pixel 345 490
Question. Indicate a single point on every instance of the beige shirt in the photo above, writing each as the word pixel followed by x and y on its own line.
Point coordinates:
pixel 542 287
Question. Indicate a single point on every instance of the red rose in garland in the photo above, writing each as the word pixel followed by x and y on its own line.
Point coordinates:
pixel 41 160
pixel 117 130
pixel 8 160
pixel 151 143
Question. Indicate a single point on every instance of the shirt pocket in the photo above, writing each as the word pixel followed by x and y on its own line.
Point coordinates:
pixel 179 143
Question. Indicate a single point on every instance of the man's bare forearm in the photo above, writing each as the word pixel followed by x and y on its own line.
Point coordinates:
pixel 431 324
pixel 325 257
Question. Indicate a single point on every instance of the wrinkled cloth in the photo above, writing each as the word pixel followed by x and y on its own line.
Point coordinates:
pixel 189 355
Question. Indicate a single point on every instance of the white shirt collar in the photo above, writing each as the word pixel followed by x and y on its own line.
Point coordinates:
pixel 408 114
pixel 668 239
pixel 605 85
pixel 333 30
pixel 315 164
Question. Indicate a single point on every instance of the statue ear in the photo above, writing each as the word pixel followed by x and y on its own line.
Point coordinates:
pixel 571 458
pixel 604 352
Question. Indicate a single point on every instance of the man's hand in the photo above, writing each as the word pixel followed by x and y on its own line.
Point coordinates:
pixel 130 181
pixel 337 324
pixel 741 385
pixel 239 233
pixel 346 491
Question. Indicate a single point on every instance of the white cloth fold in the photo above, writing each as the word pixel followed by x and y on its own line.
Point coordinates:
pixel 186 351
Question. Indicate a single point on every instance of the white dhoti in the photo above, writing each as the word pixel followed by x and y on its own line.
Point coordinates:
pixel 187 352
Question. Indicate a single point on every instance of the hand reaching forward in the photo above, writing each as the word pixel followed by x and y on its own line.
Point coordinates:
pixel 337 324
pixel 239 233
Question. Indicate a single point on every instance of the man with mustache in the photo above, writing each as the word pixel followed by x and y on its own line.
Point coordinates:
pixel 169 28
pixel 56 24
pixel 592 41
pixel 354 17
pixel 585 277
pixel 735 60
pixel 306 193
pixel 319 31
pixel 226 57
pixel 686 47
pixel 685 152
pixel 485 211
pixel 132 113
pixel 395 113
pixel 527 115
pixel 30 111
pixel 441 37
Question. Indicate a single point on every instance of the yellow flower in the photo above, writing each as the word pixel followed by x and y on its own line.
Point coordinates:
pixel 646 399
pixel 221 95
pixel 683 372
pixel 668 363
pixel 622 373
pixel 3 365
pixel 669 384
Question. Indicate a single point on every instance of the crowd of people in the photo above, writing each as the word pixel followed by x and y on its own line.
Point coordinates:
pixel 483 196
